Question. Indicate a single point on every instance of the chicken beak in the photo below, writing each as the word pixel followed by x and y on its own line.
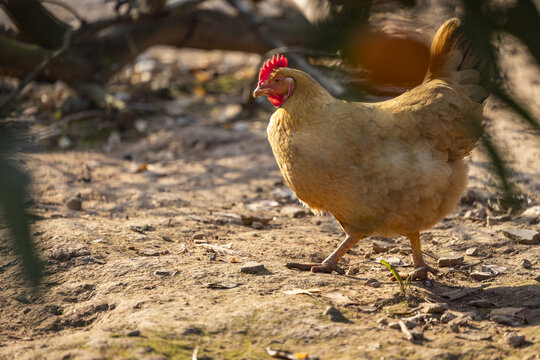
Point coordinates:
pixel 260 91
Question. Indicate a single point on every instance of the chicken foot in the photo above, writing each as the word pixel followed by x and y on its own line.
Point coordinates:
pixel 421 269
pixel 330 263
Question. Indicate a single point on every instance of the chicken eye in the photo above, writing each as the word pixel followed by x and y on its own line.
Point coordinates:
pixel 276 80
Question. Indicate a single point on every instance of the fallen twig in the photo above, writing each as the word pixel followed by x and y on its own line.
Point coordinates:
pixel 405 330
pixel 37 71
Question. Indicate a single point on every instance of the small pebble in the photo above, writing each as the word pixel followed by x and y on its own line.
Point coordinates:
pixel 198 236
pixel 526 264
pixel 447 317
pixel 373 283
pixel 252 267
pixel 151 252
pixel 481 303
pixel 257 225
pixel 434 308
pixel 471 251
pixel 212 257
pixel 523 236
pixel 532 213
pixel 514 339
pixel 134 333
pixel 162 273
pixel 450 261
pixel 380 246
pixel 293 211
pixel 481 275
pixel 74 203
pixel 506 320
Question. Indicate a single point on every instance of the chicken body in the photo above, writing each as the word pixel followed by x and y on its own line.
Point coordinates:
pixel 389 168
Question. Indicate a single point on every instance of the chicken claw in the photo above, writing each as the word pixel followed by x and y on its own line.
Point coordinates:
pixel 316 267
pixel 419 273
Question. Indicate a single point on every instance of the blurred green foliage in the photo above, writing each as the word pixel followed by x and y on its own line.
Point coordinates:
pixel 13 185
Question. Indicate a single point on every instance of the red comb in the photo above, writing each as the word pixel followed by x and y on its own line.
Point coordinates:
pixel 270 65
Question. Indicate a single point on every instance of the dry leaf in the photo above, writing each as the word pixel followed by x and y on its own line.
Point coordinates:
pixel 302 291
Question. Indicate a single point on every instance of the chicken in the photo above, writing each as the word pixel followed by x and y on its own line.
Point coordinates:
pixel 390 168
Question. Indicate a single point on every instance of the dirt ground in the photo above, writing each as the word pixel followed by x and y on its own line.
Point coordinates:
pixel 150 266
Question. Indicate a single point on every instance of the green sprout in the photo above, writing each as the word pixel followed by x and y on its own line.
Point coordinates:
pixel 403 285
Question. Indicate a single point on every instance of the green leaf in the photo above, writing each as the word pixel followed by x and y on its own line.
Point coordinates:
pixel 394 272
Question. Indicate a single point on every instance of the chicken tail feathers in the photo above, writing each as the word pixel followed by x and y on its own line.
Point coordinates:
pixel 453 57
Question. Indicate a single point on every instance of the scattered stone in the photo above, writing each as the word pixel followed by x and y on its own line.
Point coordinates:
pixel 447 317
pixel 434 308
pixel 353 270
pixel 74 203
pixel 257 225
pixel 471 251
pixel 381 246
pixel 506 320
pixel 507 311
pixel 134 333
pixel 494 220
pixel 166 238
pixel 537 278
pixel 481 275
pixel 494 269
pixel 368 309
pixel 162 273
pixel 532 213
pixel 284 195
pixel 142 229
pixel 212 257
pixel 481 303
pixel 526 264
pixel 475 336
pixel 252 267
pixel 335 315
pixel 219 285
pixel 154 252
pixel 523 236
pixel 514 339
pixel 250 220
pixel 382 321
pixel 394 325
pixel 450 261
pixel 394 261
pixel 200 241
pixel 373 283
pixel 198 236
pixel 456 323
pixel 65 254
pixel 293 211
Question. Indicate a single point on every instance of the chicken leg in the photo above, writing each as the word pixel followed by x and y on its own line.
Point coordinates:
pixel 420 267
pixel 330 263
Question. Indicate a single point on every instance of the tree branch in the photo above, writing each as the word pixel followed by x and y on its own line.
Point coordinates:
pixel 36 23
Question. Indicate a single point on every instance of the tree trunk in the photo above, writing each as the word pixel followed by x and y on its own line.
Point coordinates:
pixel 96 57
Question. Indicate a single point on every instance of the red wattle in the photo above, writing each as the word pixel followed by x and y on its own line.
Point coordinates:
pixel 276 100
